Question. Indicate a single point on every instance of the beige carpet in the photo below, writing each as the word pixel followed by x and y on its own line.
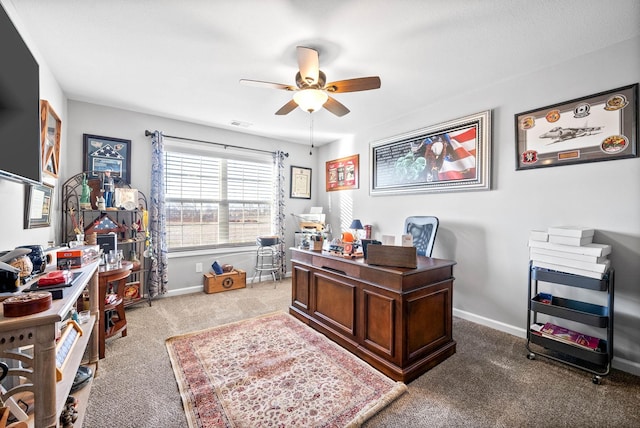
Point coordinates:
pixel 274 371
pixel 488 382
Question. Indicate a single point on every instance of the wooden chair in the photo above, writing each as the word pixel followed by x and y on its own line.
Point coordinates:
pixel 113 319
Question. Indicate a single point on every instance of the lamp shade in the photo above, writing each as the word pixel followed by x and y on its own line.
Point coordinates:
pixel 310 99
pixel 356 225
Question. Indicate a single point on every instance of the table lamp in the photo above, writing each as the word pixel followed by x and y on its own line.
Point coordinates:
pixel 356 225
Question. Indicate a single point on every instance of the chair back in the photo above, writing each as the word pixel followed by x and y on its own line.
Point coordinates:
pixel 423 231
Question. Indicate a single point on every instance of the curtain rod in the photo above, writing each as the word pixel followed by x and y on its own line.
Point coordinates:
pixel 148 133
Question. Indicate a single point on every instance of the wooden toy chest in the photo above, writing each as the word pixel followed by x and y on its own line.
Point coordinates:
pixel 233 280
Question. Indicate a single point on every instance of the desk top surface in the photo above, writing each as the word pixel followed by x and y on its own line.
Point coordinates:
pixel 424 263
pixel 59 308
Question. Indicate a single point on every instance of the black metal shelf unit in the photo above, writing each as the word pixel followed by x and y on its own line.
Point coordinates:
pixel 598 361
pixel 130 239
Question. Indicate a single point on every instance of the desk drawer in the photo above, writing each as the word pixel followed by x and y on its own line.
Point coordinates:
pixel 337 266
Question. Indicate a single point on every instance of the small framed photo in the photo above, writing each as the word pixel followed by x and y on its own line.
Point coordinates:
pixel 343 173
pixel 126 198
pixel 300 187
pixel 38 206
pixel 107 154
pixel 594 128
pixel 50 129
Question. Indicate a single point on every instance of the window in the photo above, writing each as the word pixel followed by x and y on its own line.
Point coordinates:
pixel 214 200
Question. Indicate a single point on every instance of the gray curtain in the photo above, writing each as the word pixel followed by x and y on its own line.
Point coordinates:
pixel 279 217
pixel 157 248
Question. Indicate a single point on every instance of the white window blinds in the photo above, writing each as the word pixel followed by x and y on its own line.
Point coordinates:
pixel 215 201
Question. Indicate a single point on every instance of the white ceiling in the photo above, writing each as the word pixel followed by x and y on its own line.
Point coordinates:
pixel 183 59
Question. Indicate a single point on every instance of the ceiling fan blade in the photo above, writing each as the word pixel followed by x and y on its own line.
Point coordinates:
pixel 335 107
pixel 354 85
pixel 287 108
pixel 271 85
pixel 308 64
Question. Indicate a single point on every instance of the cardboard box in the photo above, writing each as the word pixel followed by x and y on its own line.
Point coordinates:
pixel 233 280
pixel 76 257
pixel 390 255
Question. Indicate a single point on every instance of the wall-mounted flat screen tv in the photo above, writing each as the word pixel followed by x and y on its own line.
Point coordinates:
pixel 20 158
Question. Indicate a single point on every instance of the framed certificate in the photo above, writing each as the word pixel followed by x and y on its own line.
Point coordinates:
pixel 300 183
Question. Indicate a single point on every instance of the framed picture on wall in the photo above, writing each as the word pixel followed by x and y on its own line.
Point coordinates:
pixel 50 129
pixel 38 206
pixel 300 186
pixel 451 156
pixel 594 128
pixel 343 173
pixel 102 154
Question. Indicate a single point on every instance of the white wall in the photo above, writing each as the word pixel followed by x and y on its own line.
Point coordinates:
pixel 487 232
pixel 85 118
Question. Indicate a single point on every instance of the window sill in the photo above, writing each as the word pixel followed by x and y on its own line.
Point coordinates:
pixel 211 251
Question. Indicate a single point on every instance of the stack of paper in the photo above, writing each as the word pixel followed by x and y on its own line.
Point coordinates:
pixel 569 249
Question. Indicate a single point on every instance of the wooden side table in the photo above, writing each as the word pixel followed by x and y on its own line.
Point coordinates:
pixel 110 326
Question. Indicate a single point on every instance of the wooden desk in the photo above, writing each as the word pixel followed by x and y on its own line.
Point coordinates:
pixel 399 320
pixel 39 330
pixel 107 275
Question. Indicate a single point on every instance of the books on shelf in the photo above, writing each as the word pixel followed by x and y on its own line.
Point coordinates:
pixel 565 335
pixel 546 298
pixel 571 231
pixel 592 249
pixel 570 240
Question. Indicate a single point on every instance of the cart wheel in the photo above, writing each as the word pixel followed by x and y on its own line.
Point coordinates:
pixel 596 379
pixel 531 356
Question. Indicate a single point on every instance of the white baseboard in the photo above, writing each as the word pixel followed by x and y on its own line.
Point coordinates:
pixel 617 363
pixel 496 325
pixel 199 288
pixel 626 365
pixel 184 290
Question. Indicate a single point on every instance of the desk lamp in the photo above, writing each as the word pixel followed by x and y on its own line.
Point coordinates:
pixel 356 225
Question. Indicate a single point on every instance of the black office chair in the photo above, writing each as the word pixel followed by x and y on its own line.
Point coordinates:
pixel 423 230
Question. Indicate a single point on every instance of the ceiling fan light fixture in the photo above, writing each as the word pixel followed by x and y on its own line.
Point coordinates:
pixel 310 99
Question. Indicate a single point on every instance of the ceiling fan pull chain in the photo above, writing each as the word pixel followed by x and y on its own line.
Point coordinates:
pixel 311 132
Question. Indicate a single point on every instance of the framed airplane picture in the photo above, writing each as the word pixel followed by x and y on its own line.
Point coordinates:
pixel 589 129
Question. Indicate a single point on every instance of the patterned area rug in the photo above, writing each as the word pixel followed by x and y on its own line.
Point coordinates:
pixel 274 371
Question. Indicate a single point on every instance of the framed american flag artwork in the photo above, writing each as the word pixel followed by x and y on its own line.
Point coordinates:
pixel 448 157
pixel 102 154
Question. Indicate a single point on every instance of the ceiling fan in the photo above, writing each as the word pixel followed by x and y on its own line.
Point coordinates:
pixel 311 90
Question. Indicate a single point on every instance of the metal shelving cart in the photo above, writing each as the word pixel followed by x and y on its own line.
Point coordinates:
pixel 598 361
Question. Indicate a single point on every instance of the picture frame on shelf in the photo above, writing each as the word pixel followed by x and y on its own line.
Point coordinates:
pixel 594 128
pixel 300 183
pixel 103 224
pixel 126 198
pixel 447 157
pixel 38 206
pixel 102 154
pixel 50 130
pixel 343 173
